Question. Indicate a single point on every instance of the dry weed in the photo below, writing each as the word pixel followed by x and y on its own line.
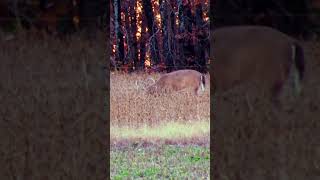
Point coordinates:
pixel 131 106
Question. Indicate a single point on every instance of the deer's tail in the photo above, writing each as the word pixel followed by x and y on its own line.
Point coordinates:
pixel 202 82
pixel 298 67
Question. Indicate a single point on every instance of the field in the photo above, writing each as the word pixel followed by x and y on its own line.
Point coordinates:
pixel 154 137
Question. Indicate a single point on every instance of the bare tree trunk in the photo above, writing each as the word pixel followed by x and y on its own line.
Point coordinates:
pixel 173 30
pixel 167 35
pixel 186 47
pixel 134 47
pixel 202 44
pixel 152 31
pixel 118 32
pixel 128 34
pixel 142 45
pixel 181 27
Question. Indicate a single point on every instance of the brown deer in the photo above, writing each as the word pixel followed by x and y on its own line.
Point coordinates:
pixel 179 80
pixel 256 54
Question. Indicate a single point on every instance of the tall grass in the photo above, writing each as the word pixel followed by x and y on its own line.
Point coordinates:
pixel 132 107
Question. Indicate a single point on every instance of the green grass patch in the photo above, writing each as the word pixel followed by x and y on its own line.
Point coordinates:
pixel 170 130
pixel 161 162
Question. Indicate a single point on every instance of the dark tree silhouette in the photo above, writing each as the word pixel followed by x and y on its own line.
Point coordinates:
pixel 154 48
pixel 202 37
pixel 118 31
pixel 143 43
pixel 133 32
pixel 168 39
pixel 289 16
pixel 186 20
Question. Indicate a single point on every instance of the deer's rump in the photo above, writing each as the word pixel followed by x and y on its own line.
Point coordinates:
pixel 254 54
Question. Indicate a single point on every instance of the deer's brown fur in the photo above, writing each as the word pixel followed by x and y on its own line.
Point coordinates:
pixel 257 54
pixel 178 80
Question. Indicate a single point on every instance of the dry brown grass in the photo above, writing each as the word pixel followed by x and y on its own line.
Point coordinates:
pixel 131 106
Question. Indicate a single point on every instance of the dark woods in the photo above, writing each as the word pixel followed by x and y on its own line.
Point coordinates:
pixel 54 17
pixel 159 35
pixel 298 18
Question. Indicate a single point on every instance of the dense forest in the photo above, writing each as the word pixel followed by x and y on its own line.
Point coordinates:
pixel 298 18
pixel 157 35
pixel 55 17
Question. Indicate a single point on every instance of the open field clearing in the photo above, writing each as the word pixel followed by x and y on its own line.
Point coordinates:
pixel 157 137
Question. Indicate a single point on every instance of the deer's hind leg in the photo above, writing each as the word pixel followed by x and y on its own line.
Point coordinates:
pixel 197 91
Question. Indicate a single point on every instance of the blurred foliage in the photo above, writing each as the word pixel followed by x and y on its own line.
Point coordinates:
pixel 299 18
pixel 52 16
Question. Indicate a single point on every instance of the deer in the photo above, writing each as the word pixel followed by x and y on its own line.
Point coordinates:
pixel 256 54
pixel 178 80
pixel 265 57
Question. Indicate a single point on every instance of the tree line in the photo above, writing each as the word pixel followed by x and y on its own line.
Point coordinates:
pixel 53 16
pixel 298 18
pixel 159 35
